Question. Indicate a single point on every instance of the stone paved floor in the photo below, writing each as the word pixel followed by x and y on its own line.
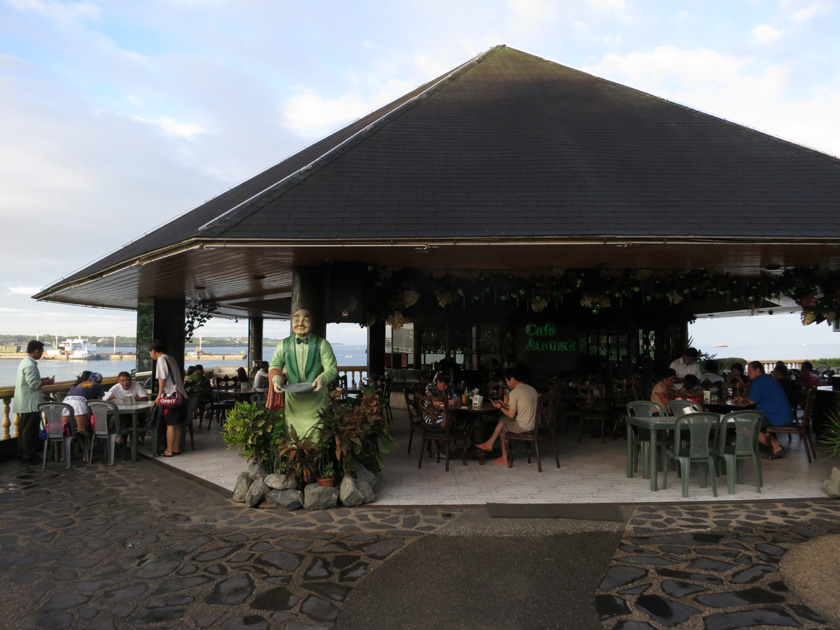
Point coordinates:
pixel 138 545
pixel 712 566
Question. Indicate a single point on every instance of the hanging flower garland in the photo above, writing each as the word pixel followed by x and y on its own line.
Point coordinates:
pixel 395 291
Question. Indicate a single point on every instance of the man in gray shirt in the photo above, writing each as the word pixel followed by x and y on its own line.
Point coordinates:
pixel 519 415
pixel 28 395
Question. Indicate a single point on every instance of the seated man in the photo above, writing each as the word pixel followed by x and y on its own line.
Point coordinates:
pixel 809 378
pixel 686 364
pixel 790 387
pixel 519 414
pixel 126 388
pixel 261 377
pixel 441 390
pixel 711 380
pixel 768 396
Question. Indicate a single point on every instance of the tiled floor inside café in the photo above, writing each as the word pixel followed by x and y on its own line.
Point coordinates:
pixel 590 472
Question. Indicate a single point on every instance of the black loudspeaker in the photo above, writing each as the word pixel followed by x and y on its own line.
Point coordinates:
pixel 346 293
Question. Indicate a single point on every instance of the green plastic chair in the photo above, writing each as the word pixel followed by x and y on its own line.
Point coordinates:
pixel 746 425
pixel 641 437
pixel 699 427
pixel 679 408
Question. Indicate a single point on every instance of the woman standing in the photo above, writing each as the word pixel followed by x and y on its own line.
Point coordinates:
pixel 170 383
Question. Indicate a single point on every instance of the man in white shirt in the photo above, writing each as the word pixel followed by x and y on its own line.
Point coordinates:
pixel 687 364
pixel 125 388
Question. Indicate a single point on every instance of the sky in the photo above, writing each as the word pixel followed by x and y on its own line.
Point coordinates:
pixel 119 115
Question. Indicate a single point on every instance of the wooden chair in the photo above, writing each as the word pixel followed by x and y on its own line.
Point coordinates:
pixel 415 420
pixel 543 430
pixel 439 427
pixel 803 429
pixel 594 408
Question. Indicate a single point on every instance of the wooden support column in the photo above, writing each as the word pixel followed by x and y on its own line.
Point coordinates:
pixel 308 293
pixel 376 348
pixel 255 341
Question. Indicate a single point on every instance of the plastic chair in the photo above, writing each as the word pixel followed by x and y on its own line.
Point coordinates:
pixel 151 427
pixel 106 417
pixel 699 427
pixel 803 429
pixel 543 430
pixel 443 432
pixel 679 408
pixel 53 421
pixel 193 402
pixel 746 424
pixel 640 437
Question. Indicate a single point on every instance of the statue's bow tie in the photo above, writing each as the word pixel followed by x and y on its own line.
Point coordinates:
pixel 302 340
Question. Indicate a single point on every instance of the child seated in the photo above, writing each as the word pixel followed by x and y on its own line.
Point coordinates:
pixel 691 389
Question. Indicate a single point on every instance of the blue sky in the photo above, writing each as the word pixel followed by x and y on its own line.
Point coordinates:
pixel 119 115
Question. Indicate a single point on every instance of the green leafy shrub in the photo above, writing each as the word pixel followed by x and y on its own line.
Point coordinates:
pixel 354 431
pixel 830 439
pixel 257 432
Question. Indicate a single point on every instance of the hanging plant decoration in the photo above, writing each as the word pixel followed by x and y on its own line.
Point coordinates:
pixel 198 313
pixel 395 291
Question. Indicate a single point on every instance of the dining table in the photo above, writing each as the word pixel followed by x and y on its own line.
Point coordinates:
pixel 469 413
pixel 654 424
pixel 135 410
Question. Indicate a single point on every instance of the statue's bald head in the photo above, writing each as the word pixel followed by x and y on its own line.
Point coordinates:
pixel 302 322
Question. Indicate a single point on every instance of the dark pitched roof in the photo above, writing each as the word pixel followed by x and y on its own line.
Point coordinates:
pixel 512 145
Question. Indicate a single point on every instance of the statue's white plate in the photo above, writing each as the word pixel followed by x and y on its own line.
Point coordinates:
pixel 298 388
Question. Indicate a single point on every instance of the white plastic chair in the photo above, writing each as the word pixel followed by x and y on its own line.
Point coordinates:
pixel 106 417
pixel 53 421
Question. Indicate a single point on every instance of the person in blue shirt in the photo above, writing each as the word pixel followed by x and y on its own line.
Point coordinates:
pixel 769 397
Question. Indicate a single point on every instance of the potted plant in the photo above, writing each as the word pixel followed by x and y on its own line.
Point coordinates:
pixel 299 457
pixel 326 475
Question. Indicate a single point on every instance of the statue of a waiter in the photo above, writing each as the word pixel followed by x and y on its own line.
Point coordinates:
pixel 306 358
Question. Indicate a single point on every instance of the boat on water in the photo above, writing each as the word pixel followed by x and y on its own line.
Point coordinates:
pixel 76 348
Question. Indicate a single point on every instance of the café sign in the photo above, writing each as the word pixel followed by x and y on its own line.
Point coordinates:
pixel 545 338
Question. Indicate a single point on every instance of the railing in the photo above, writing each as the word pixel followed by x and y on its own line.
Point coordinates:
pixel 10 428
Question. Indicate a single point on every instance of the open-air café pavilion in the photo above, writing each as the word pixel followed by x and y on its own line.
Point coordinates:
pixel 511 209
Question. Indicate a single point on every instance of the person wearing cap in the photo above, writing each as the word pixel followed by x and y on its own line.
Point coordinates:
pixel 88 387
pixel 686 364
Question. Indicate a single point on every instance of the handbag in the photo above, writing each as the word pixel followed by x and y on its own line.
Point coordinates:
pixel 173 400
pixel 168 402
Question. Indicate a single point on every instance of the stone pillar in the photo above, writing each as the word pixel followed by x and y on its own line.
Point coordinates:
pixel 308 293
pixel 376 348
pixel 255 341
pixel 162 319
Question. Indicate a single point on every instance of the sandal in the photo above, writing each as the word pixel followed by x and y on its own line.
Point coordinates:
pixel 776 455
pixel 483 447
pixel 500 461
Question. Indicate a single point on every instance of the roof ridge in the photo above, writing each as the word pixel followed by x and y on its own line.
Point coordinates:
pixel 342 147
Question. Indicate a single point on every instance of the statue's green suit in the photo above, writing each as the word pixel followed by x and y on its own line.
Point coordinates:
pixel 304 359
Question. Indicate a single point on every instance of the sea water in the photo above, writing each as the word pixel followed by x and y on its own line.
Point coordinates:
pixel 68 370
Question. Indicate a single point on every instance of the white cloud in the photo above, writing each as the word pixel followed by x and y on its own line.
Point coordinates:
pixel 23 290
pixel 607 5
pixel 803 15
pixel 62 13
pixel 183 130
pixel 729 87
pixel 533 10
pixel 766 34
